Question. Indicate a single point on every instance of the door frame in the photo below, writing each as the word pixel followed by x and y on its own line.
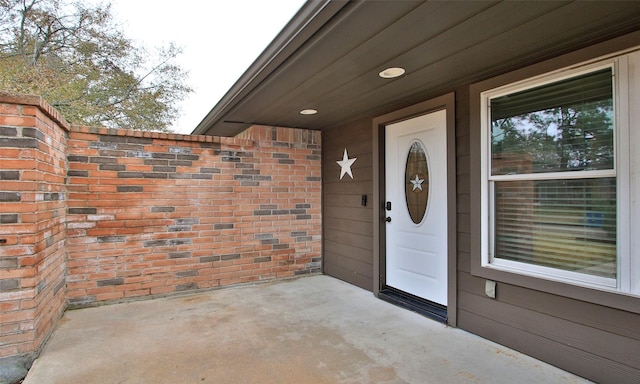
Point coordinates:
pixel 446 102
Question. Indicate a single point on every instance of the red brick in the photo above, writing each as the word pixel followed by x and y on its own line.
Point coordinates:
pixel 109 296
pixel 9 306
pixel 18 121
pixel 82 136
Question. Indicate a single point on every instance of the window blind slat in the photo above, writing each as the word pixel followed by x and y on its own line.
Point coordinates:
pixel 590 87
pixel 566 224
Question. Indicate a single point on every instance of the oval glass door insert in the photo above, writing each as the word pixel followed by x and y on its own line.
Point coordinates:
pixel 416 178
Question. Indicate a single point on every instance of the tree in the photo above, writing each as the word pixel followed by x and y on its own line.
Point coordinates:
pixel 76 57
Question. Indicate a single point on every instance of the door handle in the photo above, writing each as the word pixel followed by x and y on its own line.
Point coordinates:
pixel 388 219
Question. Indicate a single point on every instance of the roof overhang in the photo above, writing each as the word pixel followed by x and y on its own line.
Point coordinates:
pixel 329 55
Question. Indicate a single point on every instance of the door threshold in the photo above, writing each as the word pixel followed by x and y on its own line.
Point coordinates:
pixel 413 303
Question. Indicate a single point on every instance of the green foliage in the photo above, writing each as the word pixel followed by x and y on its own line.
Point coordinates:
pixel 75 56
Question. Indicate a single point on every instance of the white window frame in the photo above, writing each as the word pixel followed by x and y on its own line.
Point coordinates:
pixel 628 266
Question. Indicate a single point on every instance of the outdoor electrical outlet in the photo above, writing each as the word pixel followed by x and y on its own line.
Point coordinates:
pixel 490 289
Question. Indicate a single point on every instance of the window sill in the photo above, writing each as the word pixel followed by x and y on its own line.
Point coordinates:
pixel 618 300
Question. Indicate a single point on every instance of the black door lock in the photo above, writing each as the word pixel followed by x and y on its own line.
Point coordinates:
pixel 388 206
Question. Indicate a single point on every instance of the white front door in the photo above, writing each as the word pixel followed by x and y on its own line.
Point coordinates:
pixel 416 206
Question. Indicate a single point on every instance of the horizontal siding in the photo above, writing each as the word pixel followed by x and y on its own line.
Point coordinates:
pixel 346 186
pixel 345 201
pixel 348 275
pixel 348 263
pixel 355 215
pixel 363 242
pixel 566 332
pixel 347 225
pixel 614 322
pixel 564 356
pixel 348 254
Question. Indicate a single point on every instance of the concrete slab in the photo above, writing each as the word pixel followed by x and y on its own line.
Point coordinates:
pixel 310 330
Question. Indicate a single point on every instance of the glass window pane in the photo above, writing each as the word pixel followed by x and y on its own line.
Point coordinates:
pixel 562 126
pixel 417 182
pixel 564 224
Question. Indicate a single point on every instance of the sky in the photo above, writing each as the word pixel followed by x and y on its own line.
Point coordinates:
pixel 220 40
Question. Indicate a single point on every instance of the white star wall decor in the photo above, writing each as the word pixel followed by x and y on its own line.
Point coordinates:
pixel 417 183
pixel 345 164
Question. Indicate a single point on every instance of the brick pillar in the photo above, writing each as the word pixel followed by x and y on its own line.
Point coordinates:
pixel 32 223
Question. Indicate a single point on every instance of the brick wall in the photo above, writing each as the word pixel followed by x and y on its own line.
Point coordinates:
pixel 90 215
pixel 32 222
pixel 152 213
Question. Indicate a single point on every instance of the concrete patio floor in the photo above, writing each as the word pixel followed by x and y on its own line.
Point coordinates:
pixel 309 330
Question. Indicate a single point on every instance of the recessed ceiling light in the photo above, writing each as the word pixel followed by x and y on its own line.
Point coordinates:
pixel 308 112
pixel 392 72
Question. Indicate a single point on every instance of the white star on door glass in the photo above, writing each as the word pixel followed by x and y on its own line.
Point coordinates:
pixel 345 164
pixel 417 183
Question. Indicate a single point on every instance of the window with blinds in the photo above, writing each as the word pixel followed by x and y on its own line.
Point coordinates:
pixel 552 176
